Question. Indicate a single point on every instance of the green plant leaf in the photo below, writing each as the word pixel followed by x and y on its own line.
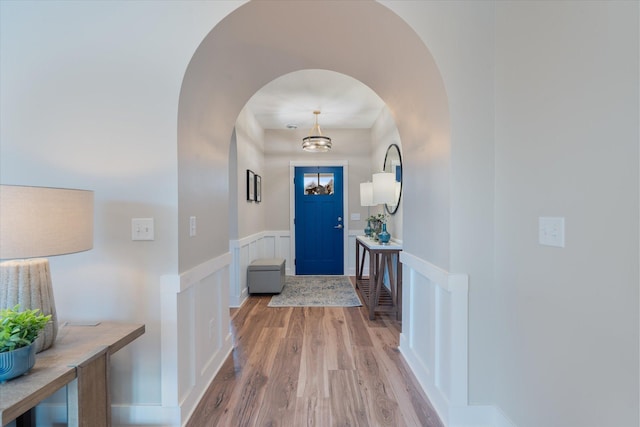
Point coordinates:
pixel 20 328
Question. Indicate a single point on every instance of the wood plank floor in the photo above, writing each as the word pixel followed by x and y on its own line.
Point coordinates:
pixel 313 366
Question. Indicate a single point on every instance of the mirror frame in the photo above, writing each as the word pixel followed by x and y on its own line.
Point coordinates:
pixel 393 209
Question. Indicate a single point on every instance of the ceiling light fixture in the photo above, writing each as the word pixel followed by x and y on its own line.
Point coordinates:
pixel 316 142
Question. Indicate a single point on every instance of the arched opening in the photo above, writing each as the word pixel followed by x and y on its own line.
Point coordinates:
pixel 243 53
pixel 269 133
pixel 252 46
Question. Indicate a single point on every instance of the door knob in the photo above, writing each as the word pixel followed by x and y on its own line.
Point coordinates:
pixel 338 226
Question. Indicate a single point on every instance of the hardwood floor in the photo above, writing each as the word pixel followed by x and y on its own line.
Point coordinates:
pixel 313 366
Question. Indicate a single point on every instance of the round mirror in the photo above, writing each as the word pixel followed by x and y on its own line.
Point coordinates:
pixel 393 164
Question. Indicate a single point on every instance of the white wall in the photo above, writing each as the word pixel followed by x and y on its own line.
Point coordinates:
pixel 566 337
pixel 284 146
pixel 460 35
pixel 250 155
pixel 384 133
pixel 88 99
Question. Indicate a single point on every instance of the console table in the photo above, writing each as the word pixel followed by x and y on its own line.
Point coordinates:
pixel 79 359
pixel 382 258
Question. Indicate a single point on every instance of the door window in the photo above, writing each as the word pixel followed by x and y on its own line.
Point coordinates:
pixel 318 184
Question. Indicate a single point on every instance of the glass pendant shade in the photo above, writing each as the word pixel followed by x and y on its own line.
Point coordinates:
pixel 316 142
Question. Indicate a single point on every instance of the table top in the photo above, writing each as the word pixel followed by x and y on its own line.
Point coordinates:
pixel 55 367
pixel 374 245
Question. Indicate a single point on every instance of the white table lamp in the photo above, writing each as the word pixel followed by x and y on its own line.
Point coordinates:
pixel 37 222
pixel 366 194
pixel 384 188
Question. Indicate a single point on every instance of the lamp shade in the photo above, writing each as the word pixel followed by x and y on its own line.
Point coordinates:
pixel 384 188
pixel 43 221
pixel 366 194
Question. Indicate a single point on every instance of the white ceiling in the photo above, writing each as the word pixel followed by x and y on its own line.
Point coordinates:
pixel 344 102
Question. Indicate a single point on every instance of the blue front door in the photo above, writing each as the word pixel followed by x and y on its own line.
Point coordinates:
pixel 319 224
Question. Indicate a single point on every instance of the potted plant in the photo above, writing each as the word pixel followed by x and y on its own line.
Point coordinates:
pixel 18 332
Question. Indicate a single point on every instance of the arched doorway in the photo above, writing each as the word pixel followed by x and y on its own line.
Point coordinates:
pixel 261 41
pixel 252 46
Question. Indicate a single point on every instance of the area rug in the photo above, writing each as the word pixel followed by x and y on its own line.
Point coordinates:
pixel 316 291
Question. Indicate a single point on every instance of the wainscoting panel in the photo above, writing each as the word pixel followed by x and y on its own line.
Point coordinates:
pixel 267 244
pixel 434 339
pixel 434 336
pixel 195 333
pixel 351 253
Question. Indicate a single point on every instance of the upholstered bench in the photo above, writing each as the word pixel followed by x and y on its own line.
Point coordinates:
pixel 266 276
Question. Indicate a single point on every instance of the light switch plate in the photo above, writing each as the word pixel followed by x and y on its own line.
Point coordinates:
pixel 355 216
pixel 551 231
pixel 142 229
pixel 192 226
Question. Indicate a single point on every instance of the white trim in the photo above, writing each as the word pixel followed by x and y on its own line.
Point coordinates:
pixel 436 309
pixel 195 335
pixel 199 272
pixel 345 201
pixel 170 288
pixel 441 365
pixel 145 415
pixel 265 244
pixel 479 416
pixel 433 272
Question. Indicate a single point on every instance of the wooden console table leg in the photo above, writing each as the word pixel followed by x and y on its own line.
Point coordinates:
pixel 28 419
pixel 380 266
pixel 362 259
pixel 89 403
pixel 399 288
pixel 358 276
pixel 372 284
pixel 392 283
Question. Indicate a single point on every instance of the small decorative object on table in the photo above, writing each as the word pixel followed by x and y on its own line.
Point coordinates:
pixel 18 332
pixel 367 229
pixel 377 221
pixel 384 235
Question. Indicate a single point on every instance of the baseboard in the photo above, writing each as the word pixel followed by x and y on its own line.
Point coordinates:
pixel 426 380
pixel 452 416
pixel 479 416
pixel 53 414
pixel 145 415
pixel 216 364
pixel 237 302
pixel 500 419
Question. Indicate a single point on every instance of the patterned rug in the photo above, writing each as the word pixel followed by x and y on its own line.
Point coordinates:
pixel 316 291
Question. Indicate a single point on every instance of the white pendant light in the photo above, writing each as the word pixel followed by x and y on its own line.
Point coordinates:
pixel 316 142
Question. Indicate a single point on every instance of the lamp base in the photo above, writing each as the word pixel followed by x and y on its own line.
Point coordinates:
pixel 28 283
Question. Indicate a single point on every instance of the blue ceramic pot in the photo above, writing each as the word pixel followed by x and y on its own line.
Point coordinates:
pixel 17 362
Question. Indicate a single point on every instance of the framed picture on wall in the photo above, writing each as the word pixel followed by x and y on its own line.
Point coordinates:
pixel 251 182
pixel 258 186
